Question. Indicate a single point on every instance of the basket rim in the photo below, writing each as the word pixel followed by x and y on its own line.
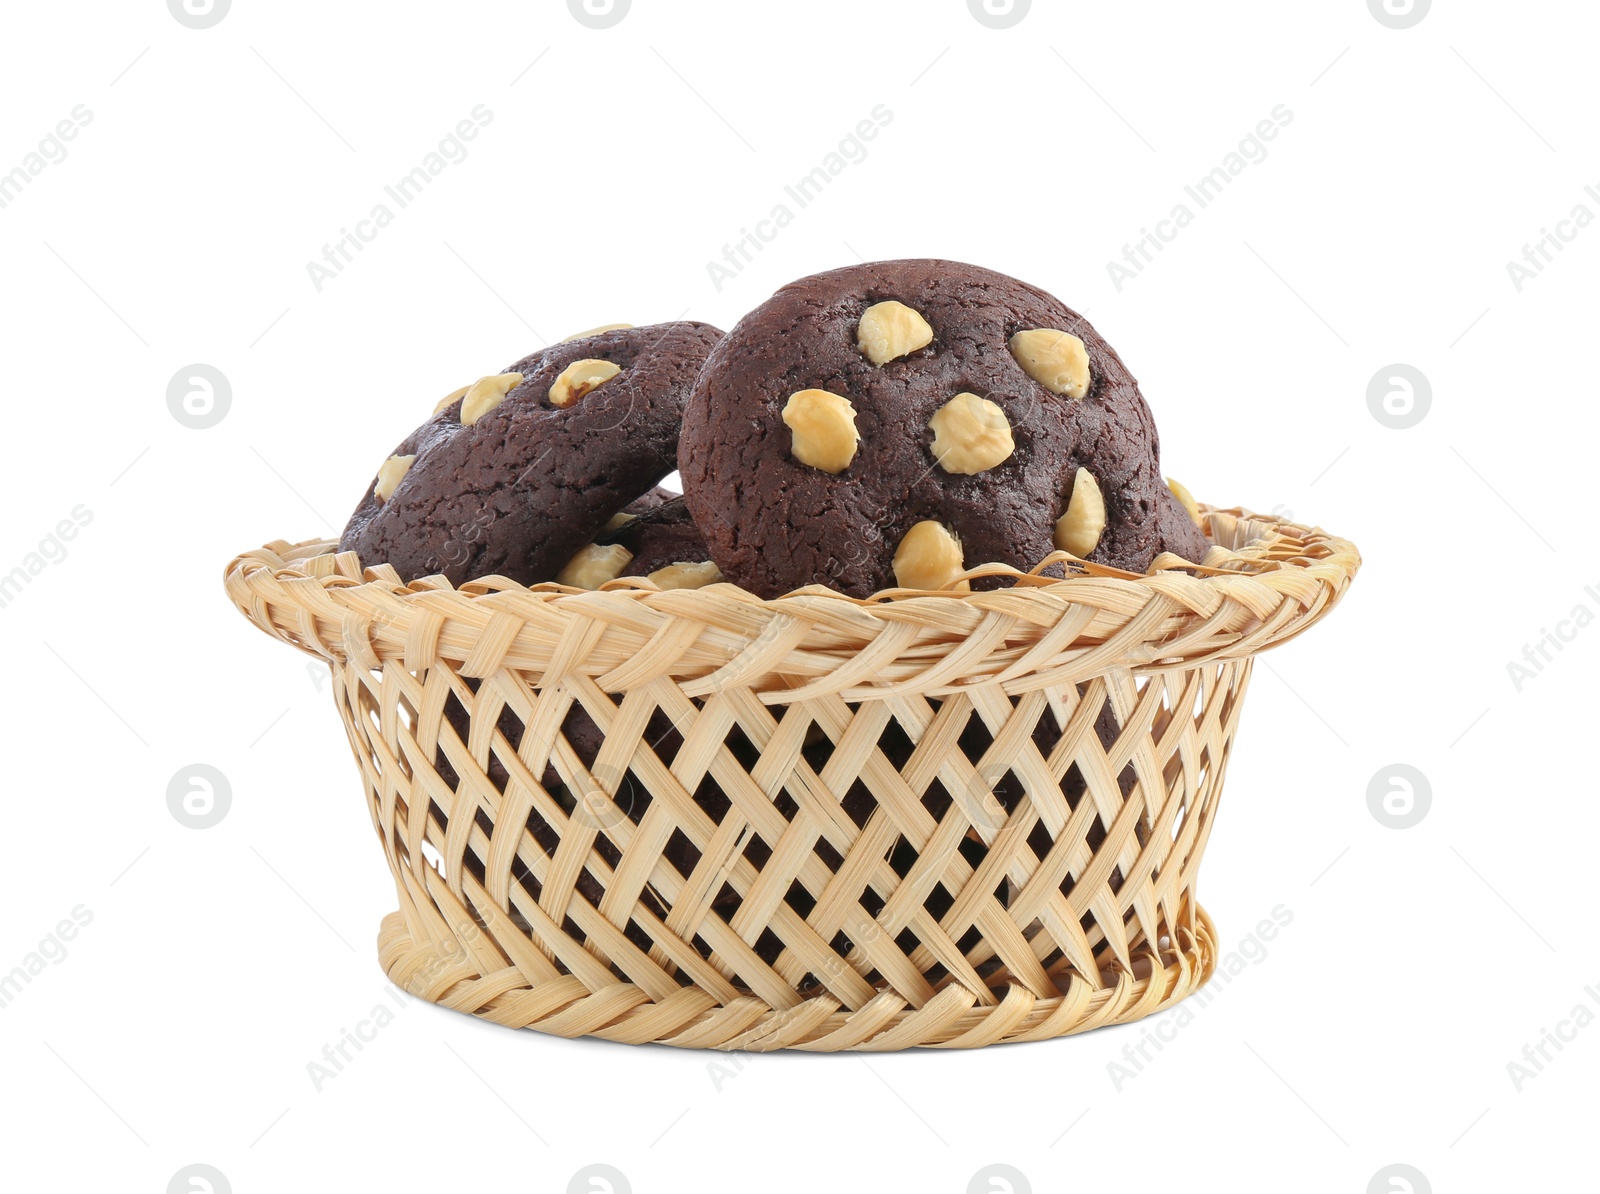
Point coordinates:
pixel 1266 580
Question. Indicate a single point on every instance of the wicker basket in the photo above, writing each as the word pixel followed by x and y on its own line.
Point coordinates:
pixel 950 820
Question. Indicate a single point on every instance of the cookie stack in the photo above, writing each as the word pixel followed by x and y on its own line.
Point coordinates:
pixel 890 425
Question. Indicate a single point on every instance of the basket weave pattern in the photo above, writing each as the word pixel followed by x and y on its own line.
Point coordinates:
pixel 813 822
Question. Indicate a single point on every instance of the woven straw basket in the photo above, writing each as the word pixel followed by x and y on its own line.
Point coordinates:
pixel 811 823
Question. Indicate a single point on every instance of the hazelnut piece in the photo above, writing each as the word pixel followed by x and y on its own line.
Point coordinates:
pixel 686 576
pixel 485 394
pixel 1055 359
pixel 1080 528
pixel 1185 499
pixel 891 329
pixel 579 378
pixel 594 565
pixel 824 427
pixel 970 434
pixel 929 557
pixel 389 474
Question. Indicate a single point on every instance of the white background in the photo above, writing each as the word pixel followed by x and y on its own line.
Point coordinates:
pixel 1377 1028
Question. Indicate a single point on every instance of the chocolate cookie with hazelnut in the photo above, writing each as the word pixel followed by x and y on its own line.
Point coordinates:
pixel 515 473
pixel 895 423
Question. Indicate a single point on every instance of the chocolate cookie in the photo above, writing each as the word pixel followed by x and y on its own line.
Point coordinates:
pixel 894 423
pixel 655 498
pixel 516 472
pixel 665 545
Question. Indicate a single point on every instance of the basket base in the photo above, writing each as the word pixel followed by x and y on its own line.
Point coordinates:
pixel 451 975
